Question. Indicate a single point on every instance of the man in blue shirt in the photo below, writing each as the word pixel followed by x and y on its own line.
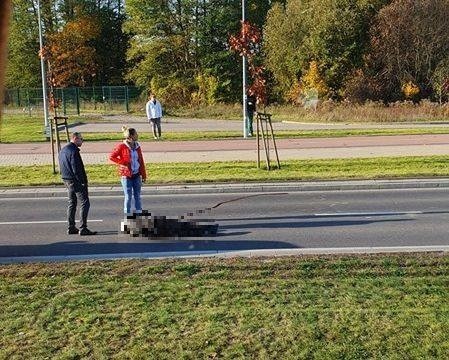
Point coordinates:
pixel 75 179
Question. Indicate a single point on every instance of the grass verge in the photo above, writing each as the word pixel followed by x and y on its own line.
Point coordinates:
pixel 289 134
pixel 22 129
pixel 244 171
pixel 314 307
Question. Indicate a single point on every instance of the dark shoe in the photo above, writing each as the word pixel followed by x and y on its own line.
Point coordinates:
pixel 86 232
pixel 72 231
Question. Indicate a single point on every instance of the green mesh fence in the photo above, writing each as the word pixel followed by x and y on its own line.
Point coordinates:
pixel 75 100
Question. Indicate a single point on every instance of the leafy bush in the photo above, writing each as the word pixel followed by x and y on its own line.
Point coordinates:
pixel 410 90
pixel 172 91
pixel 360 86
pixel 206 93
pixel 440 80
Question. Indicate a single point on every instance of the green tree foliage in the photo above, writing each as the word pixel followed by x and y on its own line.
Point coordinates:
pixel 440 80
pixel 161 42
pixel 110 43
pixel 23 46
pixel 221 21
pixel 181 40
pixel 284 34
pixel 111 46
pixel 335 33
pixel 356 49
pixel 410 40
pixel 207 86
pixel 107 46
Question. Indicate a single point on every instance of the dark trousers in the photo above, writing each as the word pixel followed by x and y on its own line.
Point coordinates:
pixel 77 191
pixel 156 126
pixel 249 125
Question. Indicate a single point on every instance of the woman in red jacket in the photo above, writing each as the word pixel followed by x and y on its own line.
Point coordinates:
pixel 131 168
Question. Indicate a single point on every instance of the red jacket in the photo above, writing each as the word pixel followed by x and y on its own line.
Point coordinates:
pixel 121 155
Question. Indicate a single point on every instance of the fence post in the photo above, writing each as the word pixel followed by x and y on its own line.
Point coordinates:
pixel 18 97
pixel 28 101
pixel 77 92
pixel 104 98
pixel 126 99
pixel 64 107
pixel 110 98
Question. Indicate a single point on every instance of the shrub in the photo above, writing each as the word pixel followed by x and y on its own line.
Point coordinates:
pixel 410 90
pixel 440 80
pixel 313 82
pixel 207 87
pixel 361 87
pixel 173 92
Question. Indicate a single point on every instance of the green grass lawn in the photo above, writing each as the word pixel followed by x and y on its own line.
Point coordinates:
pixel 311 307
pixel 282 134
pixel 22 128
pixel 244 171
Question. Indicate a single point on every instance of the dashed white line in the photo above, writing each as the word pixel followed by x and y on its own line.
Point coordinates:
pixel 370 213
pixel 40 222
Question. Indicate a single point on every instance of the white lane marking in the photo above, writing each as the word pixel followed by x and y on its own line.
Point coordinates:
pixel 59 198
pixel 39 222
pixel 370 213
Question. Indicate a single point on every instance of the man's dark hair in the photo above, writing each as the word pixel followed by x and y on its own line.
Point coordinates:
pixel 76 135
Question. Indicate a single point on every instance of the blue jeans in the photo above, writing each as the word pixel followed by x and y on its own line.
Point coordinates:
pixel 132 186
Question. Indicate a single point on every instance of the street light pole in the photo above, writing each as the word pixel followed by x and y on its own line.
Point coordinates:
pixel 244 61
pixel 44 78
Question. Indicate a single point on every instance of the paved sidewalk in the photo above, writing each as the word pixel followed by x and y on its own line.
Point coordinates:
pixel 244 149
pixel 113 123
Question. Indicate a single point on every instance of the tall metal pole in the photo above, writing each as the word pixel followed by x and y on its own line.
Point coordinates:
pixel 44 78
pixel 5 9
pixel 244 61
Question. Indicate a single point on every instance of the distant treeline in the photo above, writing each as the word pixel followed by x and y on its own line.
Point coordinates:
pixel 352 50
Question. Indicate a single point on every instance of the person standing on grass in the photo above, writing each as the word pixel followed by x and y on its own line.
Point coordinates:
pixel 131 166
pixel 154 115
pixel 75 179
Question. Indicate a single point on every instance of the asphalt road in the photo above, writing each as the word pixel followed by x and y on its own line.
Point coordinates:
pixel 411 217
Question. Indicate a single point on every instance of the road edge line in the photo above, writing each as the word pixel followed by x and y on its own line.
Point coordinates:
pixel 229 253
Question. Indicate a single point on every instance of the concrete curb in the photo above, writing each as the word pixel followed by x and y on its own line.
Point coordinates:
pixel 230 254
pixel 59 191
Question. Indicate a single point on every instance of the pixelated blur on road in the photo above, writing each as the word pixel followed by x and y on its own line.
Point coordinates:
pixel 36 226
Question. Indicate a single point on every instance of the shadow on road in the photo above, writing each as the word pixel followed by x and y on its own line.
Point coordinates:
pixel 334 215
pixel 263 223
pixel 139 245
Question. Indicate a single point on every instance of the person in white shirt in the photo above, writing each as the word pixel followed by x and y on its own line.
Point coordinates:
pixel 154 115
